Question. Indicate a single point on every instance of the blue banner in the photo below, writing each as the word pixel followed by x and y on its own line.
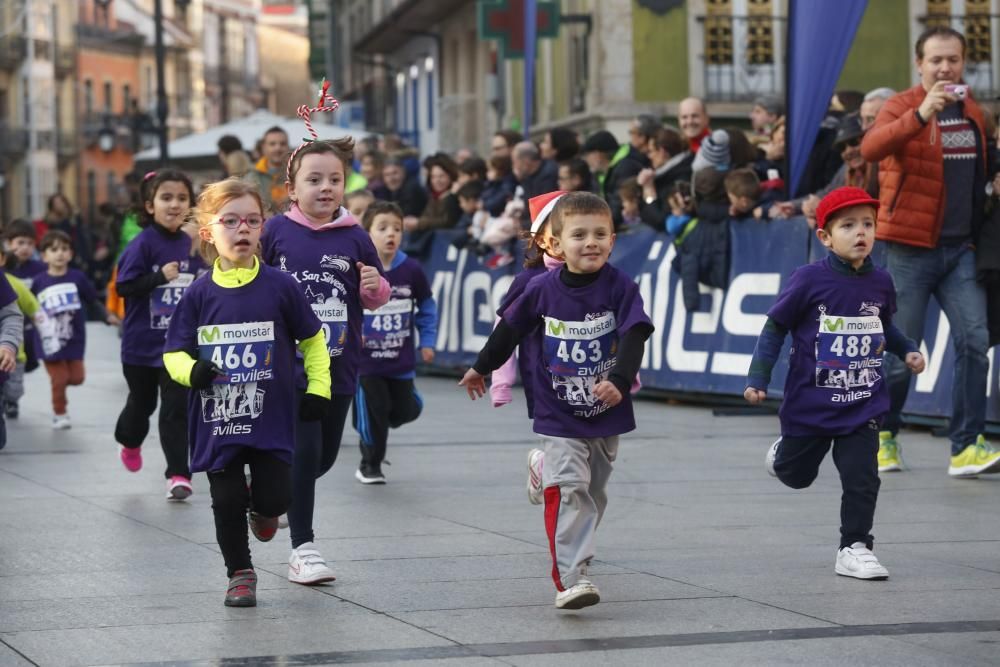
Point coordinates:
pixel 820 35
pixel 704 352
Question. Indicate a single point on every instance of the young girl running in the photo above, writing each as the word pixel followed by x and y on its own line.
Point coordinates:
pixel 232 340
pixel 338 269
pixel 540 258
pixel 153 273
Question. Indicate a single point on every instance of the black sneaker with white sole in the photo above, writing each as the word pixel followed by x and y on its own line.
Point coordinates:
pixel 369 475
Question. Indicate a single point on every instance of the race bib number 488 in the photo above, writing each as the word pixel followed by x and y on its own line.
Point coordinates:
pixel 849 352
pixel 243 351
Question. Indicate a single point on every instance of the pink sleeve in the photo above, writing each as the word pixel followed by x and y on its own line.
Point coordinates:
pixel 501 380
pixel 372 299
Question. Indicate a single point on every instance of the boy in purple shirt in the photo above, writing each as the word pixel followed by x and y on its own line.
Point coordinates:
pixel 839 311
pixel 386 397
pixel 593 334
pixel 62 293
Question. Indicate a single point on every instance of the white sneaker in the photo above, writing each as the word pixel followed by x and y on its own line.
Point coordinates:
pixel 306 566
pixel 859 562
pixel 61 423
pixel 772 452
pixel 579 595
pixel 536 458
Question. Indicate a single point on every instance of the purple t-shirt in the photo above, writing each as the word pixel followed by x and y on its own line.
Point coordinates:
pixel 26 271
pixel 250 332
pixel 63 298
pixel 580 330
pixel 530 345
pixel 835 374
pixel 387 335
pixel 146 318
pixel 324 263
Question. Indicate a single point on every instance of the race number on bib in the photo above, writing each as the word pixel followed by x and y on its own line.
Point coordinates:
pixel 849 351
pixel 164 299
pixel 61 298
pixel 389 326
pixel 243 351
pixel 333 316
pixel 579 354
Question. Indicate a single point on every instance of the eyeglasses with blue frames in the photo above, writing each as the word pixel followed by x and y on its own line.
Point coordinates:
pixel 232 221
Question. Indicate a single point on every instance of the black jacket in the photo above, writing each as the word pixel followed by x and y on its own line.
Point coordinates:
pixel 626 168
pixel 677 168
pixel 411 197
pixel 703 257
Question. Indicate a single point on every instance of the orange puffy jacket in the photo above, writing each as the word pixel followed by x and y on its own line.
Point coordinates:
pixel 911 168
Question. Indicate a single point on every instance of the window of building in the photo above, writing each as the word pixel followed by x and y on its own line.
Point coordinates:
pixel 126 98
pixel 108 97
pixel 718 32
pixel 88 96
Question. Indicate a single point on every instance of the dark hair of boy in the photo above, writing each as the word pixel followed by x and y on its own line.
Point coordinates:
pixel 17 228
pixel 669 140
pixel 510 137
pixel 273 129
pixel 380 208
pixel 147 191
pixel 629 189
pixel 55 238
pixel 358 194
pixel 470 190
pixel 577 203
pixel 502 165
pixel 743 183
pixel 474 167
pixel 229 143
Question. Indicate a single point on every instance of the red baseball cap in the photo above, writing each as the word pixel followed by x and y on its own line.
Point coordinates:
pixel 842 198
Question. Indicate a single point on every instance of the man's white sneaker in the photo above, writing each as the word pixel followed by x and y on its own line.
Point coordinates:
pixel 536 459
pixel 579 595
pixel 306 566
pixel 61 422
pixel 772 452
pixel 859 562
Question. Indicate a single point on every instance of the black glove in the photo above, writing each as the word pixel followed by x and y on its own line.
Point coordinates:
pixel 203 373
pixel 313 408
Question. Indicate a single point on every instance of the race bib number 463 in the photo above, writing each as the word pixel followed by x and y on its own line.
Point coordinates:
pixel 243 351
pixel 586 348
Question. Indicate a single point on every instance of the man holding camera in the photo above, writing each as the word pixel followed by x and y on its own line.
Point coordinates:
pixel 932 152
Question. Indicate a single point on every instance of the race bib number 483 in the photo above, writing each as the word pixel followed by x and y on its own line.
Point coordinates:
pixel 243 351
pixel 388 326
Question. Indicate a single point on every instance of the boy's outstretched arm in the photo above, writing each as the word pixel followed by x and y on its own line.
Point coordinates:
pixel 499 346
pixel 765 356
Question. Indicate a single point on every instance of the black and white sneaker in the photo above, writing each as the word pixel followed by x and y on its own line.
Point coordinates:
pixel 369 475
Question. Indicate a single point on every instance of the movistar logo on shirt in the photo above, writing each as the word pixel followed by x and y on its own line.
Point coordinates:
pixel 831 324
pixel 247 332
pixel 586 330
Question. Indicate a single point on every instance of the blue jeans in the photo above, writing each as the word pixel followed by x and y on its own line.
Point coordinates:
pixel 949 274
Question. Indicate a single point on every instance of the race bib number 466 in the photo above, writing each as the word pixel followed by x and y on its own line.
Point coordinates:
pixel 243 351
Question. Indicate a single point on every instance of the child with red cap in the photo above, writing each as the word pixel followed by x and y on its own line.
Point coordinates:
pixel 839 311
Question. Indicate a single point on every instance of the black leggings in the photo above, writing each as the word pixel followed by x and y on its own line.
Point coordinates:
pixel 316 446
pixel 133 422
pixel 380 404
pixel 269 496
pixel 797 460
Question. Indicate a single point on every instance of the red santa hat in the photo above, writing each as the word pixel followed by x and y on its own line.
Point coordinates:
pixel 541 206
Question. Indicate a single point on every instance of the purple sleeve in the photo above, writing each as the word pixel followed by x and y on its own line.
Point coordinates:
pixel 421 288
pixel 132 264
pixel 787 310
pixel 515 290
pixel 87 291
pixel 182 332
pixel 7 293
pixel 630 310
pixel 267 243
pixel 522 315
pixel 369 255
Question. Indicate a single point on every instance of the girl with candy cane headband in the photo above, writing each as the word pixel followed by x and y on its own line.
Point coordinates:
pixel 336 265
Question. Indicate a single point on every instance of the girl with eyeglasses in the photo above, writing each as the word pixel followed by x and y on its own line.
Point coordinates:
pixel 233 340
pixel 154 272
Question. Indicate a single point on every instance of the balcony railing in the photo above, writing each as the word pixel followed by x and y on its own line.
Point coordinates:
pixel 743 56
pixel 982 50
pixel 13 139
pixel 13 49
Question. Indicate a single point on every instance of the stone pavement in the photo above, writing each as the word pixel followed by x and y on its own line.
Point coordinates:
pixel 703 558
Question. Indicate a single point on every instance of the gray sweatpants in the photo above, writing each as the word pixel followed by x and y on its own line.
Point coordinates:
pixel 13 388
pixel 575 475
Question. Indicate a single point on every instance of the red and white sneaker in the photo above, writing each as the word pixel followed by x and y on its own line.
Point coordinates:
pixel 131 458
pixel 306 566
pixel 536 458
pixel 179 488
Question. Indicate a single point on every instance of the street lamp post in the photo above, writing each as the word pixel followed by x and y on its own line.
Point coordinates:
pixel 161 90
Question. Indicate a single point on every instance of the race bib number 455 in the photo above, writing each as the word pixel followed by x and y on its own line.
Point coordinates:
pixel 243 351
pixel 164 299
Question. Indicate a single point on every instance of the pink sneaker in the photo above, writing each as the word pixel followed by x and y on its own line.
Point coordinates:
pixel 178 488
pixel 131 458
